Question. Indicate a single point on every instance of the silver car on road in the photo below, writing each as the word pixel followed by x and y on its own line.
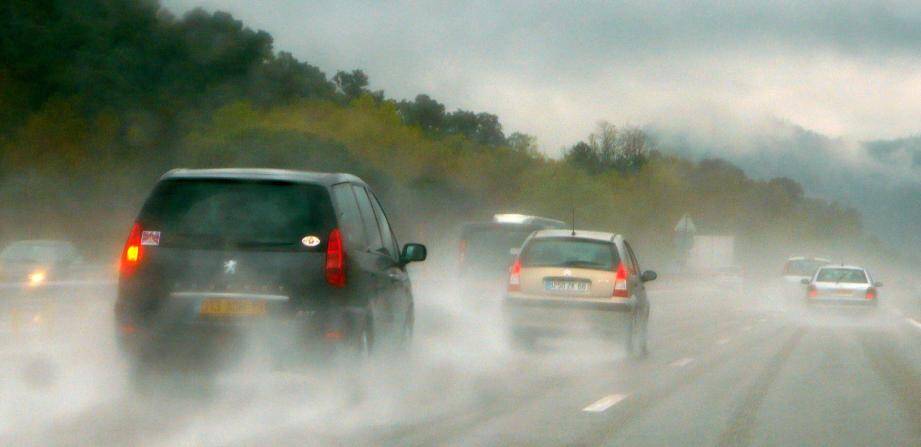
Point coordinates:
pixel 842 284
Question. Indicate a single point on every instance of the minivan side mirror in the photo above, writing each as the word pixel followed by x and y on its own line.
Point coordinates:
pixel 413 253
pixel 878 284
pixel 805 281
pixel 648 275
pixel 514 251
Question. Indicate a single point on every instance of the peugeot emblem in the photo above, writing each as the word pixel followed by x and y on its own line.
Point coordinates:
pixel 567 272
pixel 230 267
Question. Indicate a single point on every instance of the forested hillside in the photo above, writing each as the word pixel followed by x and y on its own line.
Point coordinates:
pixel 98 100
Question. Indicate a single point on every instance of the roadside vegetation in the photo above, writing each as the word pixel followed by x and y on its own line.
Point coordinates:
pixel 98 99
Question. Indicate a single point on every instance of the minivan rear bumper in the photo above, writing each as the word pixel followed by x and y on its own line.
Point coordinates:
pixel 162 336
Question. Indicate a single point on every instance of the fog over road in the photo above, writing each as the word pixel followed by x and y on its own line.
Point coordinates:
pixel 724 370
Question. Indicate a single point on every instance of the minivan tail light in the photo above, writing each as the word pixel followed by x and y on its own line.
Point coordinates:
pixel 133 251
pixel 514 276
pixel 871 294
pixel 335 259
pixel 620 282
pixel 812 292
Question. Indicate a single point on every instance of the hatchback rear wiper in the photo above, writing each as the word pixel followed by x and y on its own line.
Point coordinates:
pixel 585 263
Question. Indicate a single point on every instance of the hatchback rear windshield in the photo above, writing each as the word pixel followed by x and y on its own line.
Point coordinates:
pixel 245 214
pixel 851 276
pixel 566 252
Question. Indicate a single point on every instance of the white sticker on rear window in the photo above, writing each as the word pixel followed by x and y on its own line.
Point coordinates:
pixel 310 241
pixel 150 238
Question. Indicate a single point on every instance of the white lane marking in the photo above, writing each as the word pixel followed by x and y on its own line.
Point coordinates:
pixel 746 328
pixel 681 362
pixel 604 403
pixel 914 322
pixel 723 341
pixel 762 320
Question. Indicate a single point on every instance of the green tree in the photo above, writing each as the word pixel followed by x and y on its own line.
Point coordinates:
pixel 584 157
pixel 424 112
pixel 351 84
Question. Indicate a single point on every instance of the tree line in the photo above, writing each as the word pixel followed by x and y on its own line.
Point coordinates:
pixel 100 97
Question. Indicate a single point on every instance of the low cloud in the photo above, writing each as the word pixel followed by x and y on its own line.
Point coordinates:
pixel 553 69
pixel 781 88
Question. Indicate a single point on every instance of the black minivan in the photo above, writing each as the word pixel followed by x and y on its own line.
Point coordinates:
pixel 301 259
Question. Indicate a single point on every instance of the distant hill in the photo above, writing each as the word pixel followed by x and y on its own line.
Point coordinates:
pixel 897 152
pixel 881 178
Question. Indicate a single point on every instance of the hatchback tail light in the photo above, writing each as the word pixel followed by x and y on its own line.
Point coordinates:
pixel 335 259
pixel 620 282
pixel 812 292
pixel 514 276
pixel 133 251
pixel 871 294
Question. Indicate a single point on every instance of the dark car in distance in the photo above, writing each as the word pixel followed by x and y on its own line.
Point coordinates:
pixel 484 252
pixel 296 260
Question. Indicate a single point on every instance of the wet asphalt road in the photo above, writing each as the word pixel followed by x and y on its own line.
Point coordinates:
pixel 724 369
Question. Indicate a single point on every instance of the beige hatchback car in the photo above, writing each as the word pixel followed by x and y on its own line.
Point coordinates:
pixel 580 283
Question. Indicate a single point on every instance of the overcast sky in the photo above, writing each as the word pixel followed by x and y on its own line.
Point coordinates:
pixel 846 69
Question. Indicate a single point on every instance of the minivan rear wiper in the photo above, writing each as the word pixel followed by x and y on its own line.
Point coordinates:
pixel 198 236
pixel 250 244
pixel 214 240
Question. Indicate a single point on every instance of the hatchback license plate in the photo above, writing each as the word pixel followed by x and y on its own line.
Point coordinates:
pixel 231 308
pixel 558 285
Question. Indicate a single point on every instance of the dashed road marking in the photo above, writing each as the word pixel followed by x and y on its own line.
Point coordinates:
pixel 681 362
pixel 762 320
pixel 746 328
pixel 604 403
pixel 914 322
pixel 723 341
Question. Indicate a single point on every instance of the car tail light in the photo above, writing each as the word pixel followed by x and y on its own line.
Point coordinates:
pixel 335 259
pixel 334 335
pixel 133 251
pixel 812 292
pixel 620 282
pixel 514 276
pixel 871 294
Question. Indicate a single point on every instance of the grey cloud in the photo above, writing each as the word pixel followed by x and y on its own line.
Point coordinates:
pixel 759 82
pixel 621 61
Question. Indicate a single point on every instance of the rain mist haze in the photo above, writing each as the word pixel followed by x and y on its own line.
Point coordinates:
pixel 759 83
pixel 791 129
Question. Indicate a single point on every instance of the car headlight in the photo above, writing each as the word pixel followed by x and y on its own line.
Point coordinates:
pixel 36 278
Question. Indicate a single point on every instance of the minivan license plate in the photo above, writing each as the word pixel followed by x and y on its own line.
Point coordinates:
pixel 231 308
pixel 562 285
